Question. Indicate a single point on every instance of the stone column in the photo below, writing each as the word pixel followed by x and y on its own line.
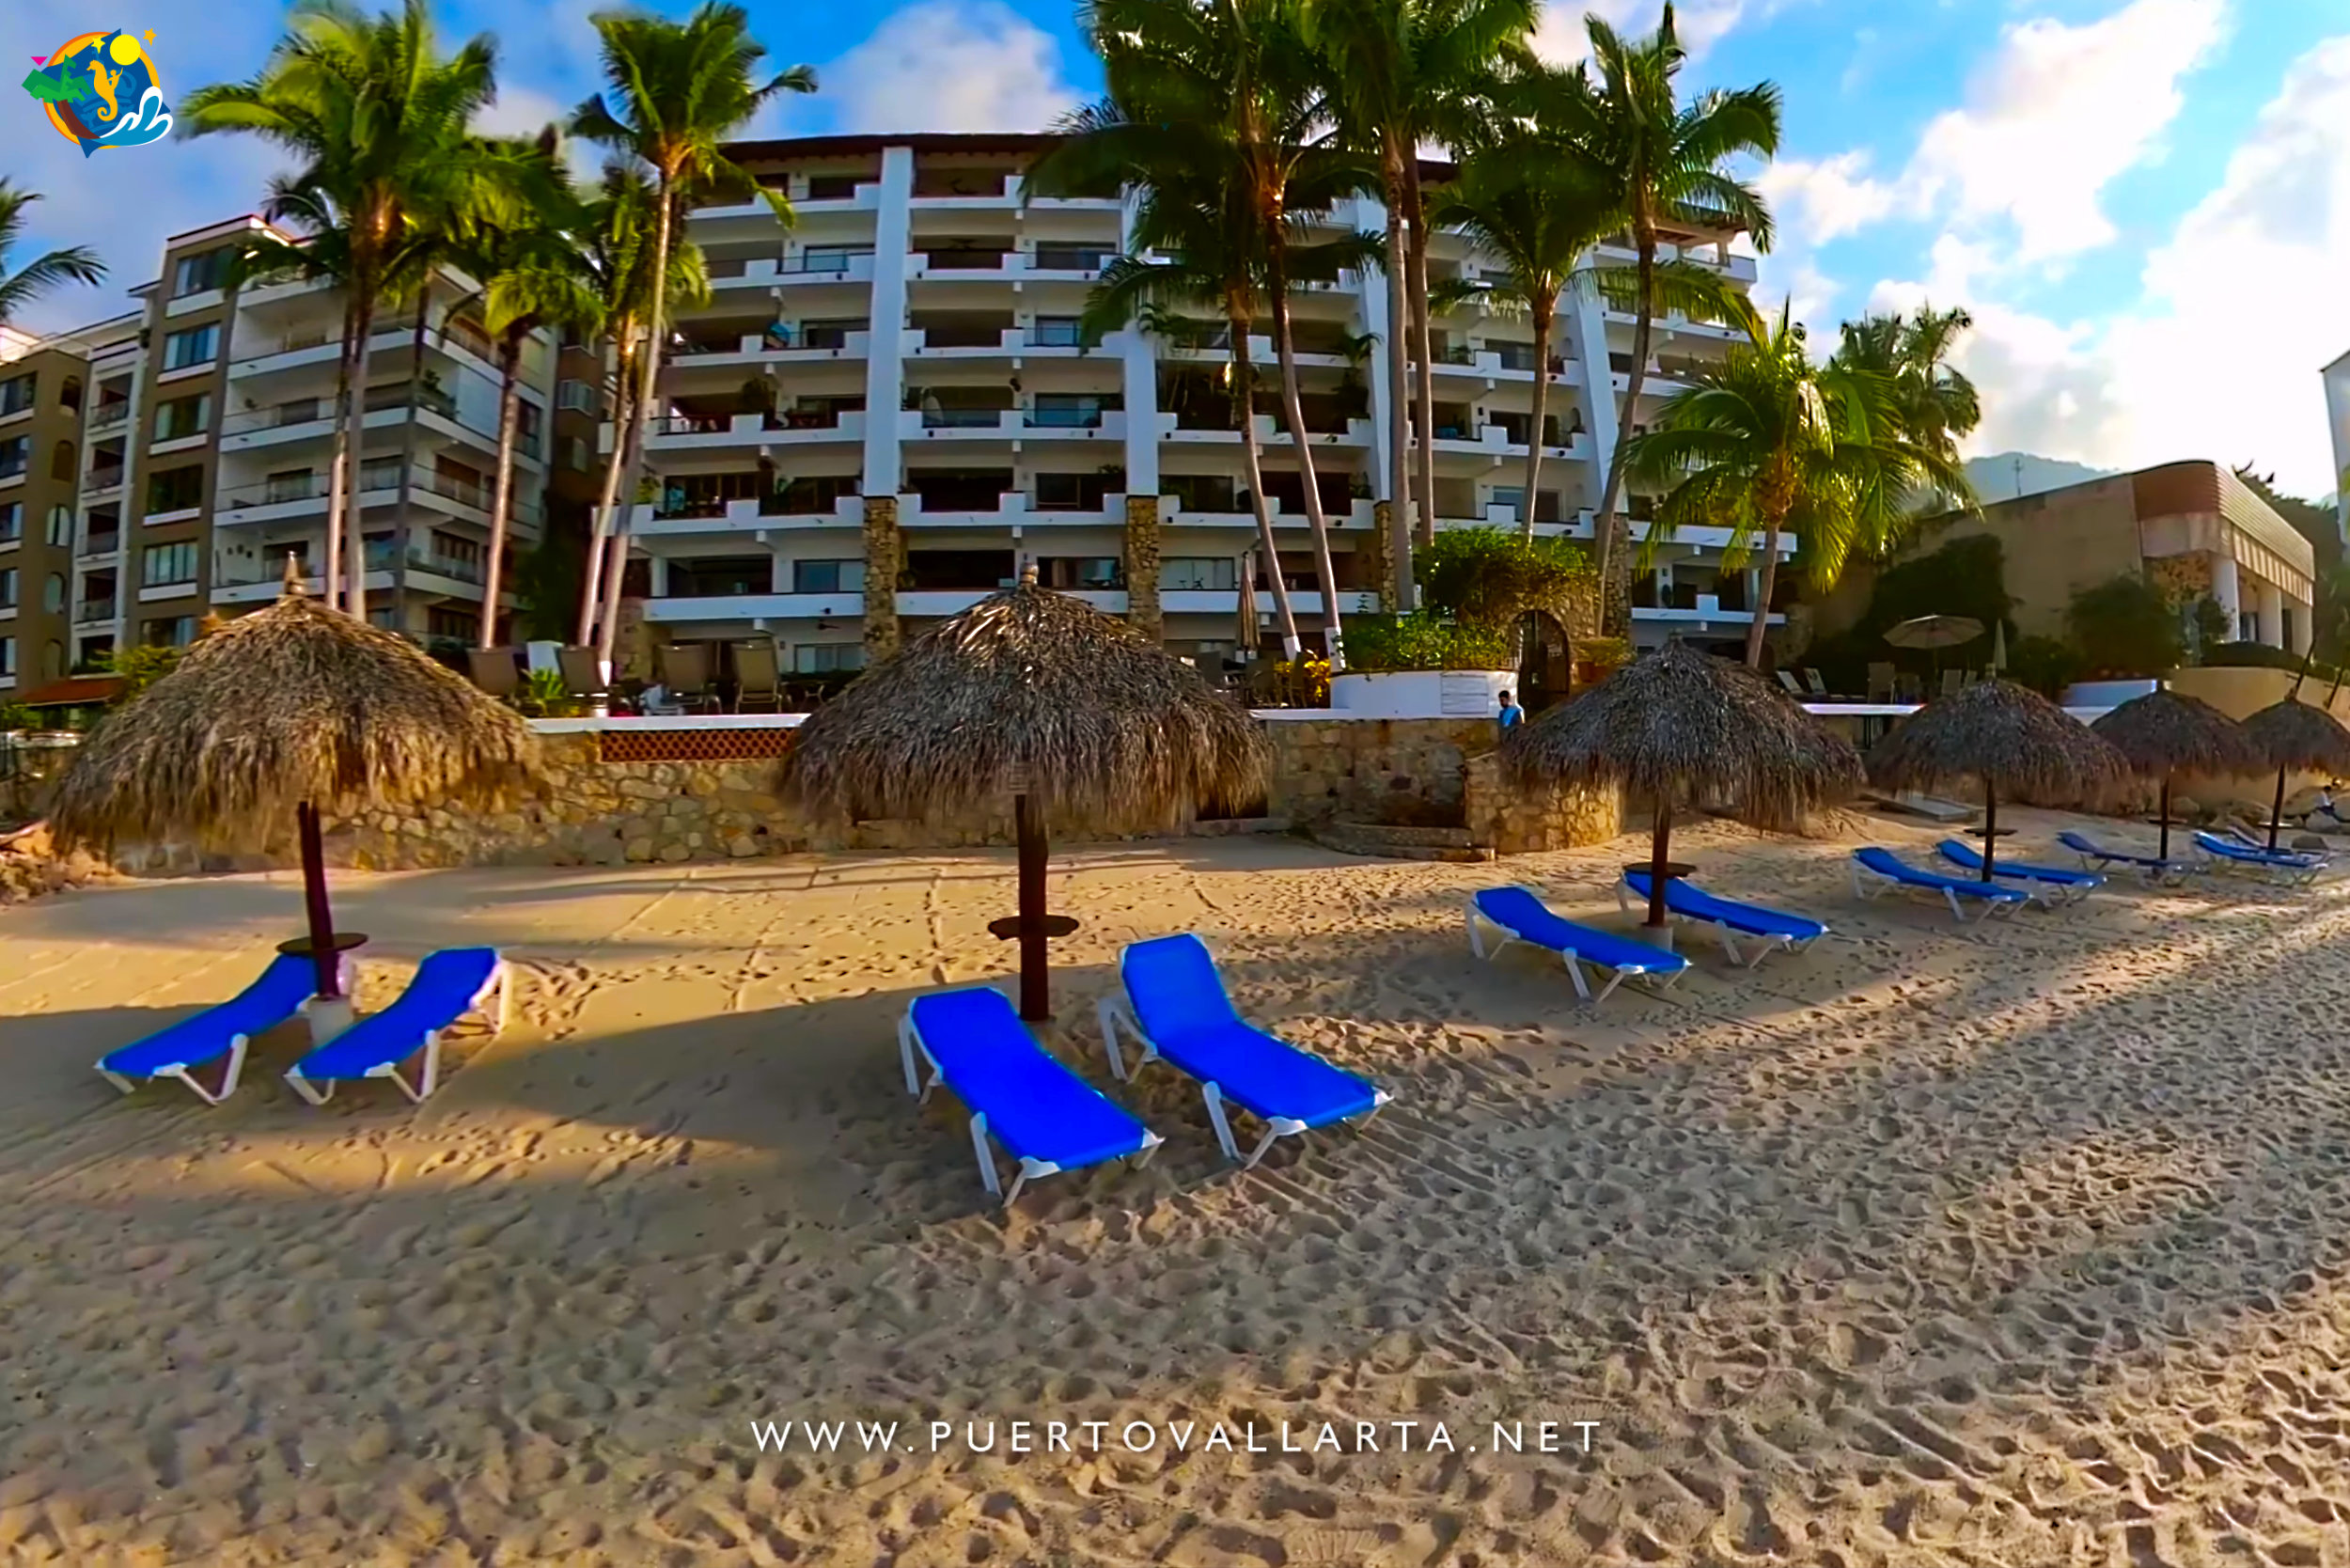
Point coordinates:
pixel 1142 566
pixel 1379 560
pixel 881 577
pixel 2270 605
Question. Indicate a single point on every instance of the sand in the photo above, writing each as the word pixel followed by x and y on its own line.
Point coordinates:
pixel 2018 1246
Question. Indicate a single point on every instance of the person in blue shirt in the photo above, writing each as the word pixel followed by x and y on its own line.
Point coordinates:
pixel 1512 714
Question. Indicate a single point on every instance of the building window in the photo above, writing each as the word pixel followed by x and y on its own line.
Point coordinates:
pixel 1080 572
pixel 828 576
pixel 61 462
pixel 7 588
pixel 175 489
pixel 183 417
pixel 440 622
pixel 162 564
pixel 827 658
pixel 11 522
pixel 16 394
pixel 578 397
pixel 52 593
pixel 7 656
pixel 1200 574
pixel 178 632
pixel 70 395
pixel 60 526
pixel 721 576
pixel 1057 332
pixel 195 346
pixel 196 274
pixel 14 455
pixel 576 453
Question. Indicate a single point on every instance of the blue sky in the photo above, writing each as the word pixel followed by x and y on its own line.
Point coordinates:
pixel 2145 203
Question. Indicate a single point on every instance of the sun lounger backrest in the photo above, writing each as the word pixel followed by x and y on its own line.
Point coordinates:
pixel 1173 983
pixel 1034 1104
pixel 444 988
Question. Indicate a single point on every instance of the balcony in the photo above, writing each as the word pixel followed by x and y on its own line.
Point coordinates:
pixel 92 612
pixel 777 345
pixel 240 579
pixel 99 483
pixel 1011 424
pixel 768 272
pixel 686 432
pixel 1271 431
pixel 98 546
pixel 107 416
pixel 303 495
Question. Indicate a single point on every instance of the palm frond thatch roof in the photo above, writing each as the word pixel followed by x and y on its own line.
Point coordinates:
pixel 2011 738
pixel 1028 690
pixel 2168 732
pixel 2300 736
pixel 294 703
pixel 1678 722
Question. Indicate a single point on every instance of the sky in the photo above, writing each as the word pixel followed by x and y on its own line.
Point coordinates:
pixel 2144 204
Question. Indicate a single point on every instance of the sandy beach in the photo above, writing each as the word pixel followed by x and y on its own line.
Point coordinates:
pixel 2020 1245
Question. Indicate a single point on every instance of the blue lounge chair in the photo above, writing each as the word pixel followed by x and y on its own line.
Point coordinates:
pixel 1176 1006
pixel 1732 919
pixel 1046 1116
pixel 1875 870
pixel 2291 867
pixel 222 1031
pixel 449 985
pixel 2095 856
pixel 2048 884
pixel 1518 915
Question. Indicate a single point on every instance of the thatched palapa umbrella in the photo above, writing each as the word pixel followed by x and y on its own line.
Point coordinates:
pixel 1678 722
pixel 2014 741
pixel 2294 736
pixel 2166 732
pixel 1032 694
pixel 276 718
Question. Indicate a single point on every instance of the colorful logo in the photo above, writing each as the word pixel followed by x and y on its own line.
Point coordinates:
pixel 100 91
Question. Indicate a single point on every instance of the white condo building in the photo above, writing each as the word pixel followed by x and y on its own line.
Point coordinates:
pixel 2337 422
pixel 899 380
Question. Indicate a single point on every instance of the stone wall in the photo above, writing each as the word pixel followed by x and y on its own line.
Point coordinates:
pixel 1415 772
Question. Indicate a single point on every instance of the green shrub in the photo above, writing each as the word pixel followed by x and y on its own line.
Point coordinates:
pixel 15 715
pixel 2124 627
pixel 140 667
pixel 2259 655
pixel 2046 664
pixel 1489 577
pixel 1424 641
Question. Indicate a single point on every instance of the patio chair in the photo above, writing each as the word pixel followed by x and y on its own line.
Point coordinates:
pixel 1881 683
pixel 1953 681
pixel 759 677
pixel 1770 928
pixel 685 676
pixel 1876 870
pixel 2050 885
pixel 1517 913
pixel 583 674
pixel 220 1031
pixel 449 985
pixel 497 671
pixel 1814 680
pixel 1787 679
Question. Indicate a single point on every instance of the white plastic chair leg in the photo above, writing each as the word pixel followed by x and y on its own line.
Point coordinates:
pixel 906 1054
pixel 1107 1011
pixel 1214 1097
pixel 1575 973
pixel 317 1094
pixel 987 1158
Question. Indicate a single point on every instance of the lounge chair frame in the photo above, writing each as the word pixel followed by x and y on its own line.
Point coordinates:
pixel 2046 893
pixel 347 971
pixel 1478 918
pixel 1115 1013
pixel 2096 857
pixel 910 1042
pixel 500 983
pixel 2256 861
pixel 1868 885
pixel 1726 935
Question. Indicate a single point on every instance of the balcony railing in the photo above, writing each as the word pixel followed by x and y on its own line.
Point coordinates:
pixel 963 418
pixel 101 544
pixel 693 424
pixel 102 479
pixel 1065 419
pixel 105 416
pixel 93 610
pixel 964 260
pixel 802 419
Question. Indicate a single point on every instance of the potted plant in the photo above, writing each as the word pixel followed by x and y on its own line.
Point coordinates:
pixel 1455 657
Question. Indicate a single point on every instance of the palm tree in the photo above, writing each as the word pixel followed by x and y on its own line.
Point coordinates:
pixel 1404 74
pixel 1767 443
pixel 73 264
pixel 1664 161
pixel 379 119
pixel 1218 103
pixel 676 92
pixel 1935 406
pixel 532 275
pixel 1540 213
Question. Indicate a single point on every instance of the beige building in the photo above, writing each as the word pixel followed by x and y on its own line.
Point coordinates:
pixel 2192 528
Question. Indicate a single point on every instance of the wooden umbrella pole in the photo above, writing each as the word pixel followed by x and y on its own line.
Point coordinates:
pixel 322 951
pixel 1036 991
pixel 2164 853
pixel 2277 811
pixel 1660 840
pixel 1990 825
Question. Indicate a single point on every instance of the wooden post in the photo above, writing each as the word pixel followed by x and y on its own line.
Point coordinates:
pixel 322 951
pixel 2277 810
pixel 1660 840
pixel 1036 990
pixel 1990 825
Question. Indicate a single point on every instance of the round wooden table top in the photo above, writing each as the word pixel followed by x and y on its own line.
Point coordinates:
pixel 344 942
pixel 1008 928
pixel 1674 870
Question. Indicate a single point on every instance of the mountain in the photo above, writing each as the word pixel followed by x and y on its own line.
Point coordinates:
pixel 2005 476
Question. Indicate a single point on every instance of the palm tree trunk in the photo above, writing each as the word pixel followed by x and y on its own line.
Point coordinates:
pixel 331 571
pixel 1399 421
pixel 1542 309
pixel 1325 571
pixel 354 458
pixel 599 526
pixel 1426 390
pixel 1615 553
pixel 1760 624
pixel 650 374
pixel 502 494
pixel 400 531
pixel 1242 378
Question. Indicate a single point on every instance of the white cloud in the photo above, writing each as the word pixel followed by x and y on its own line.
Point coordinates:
pixel 949 65
pixel 1560 34
pixel 2219 357
pixel 1821 201
pixel 2054 116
